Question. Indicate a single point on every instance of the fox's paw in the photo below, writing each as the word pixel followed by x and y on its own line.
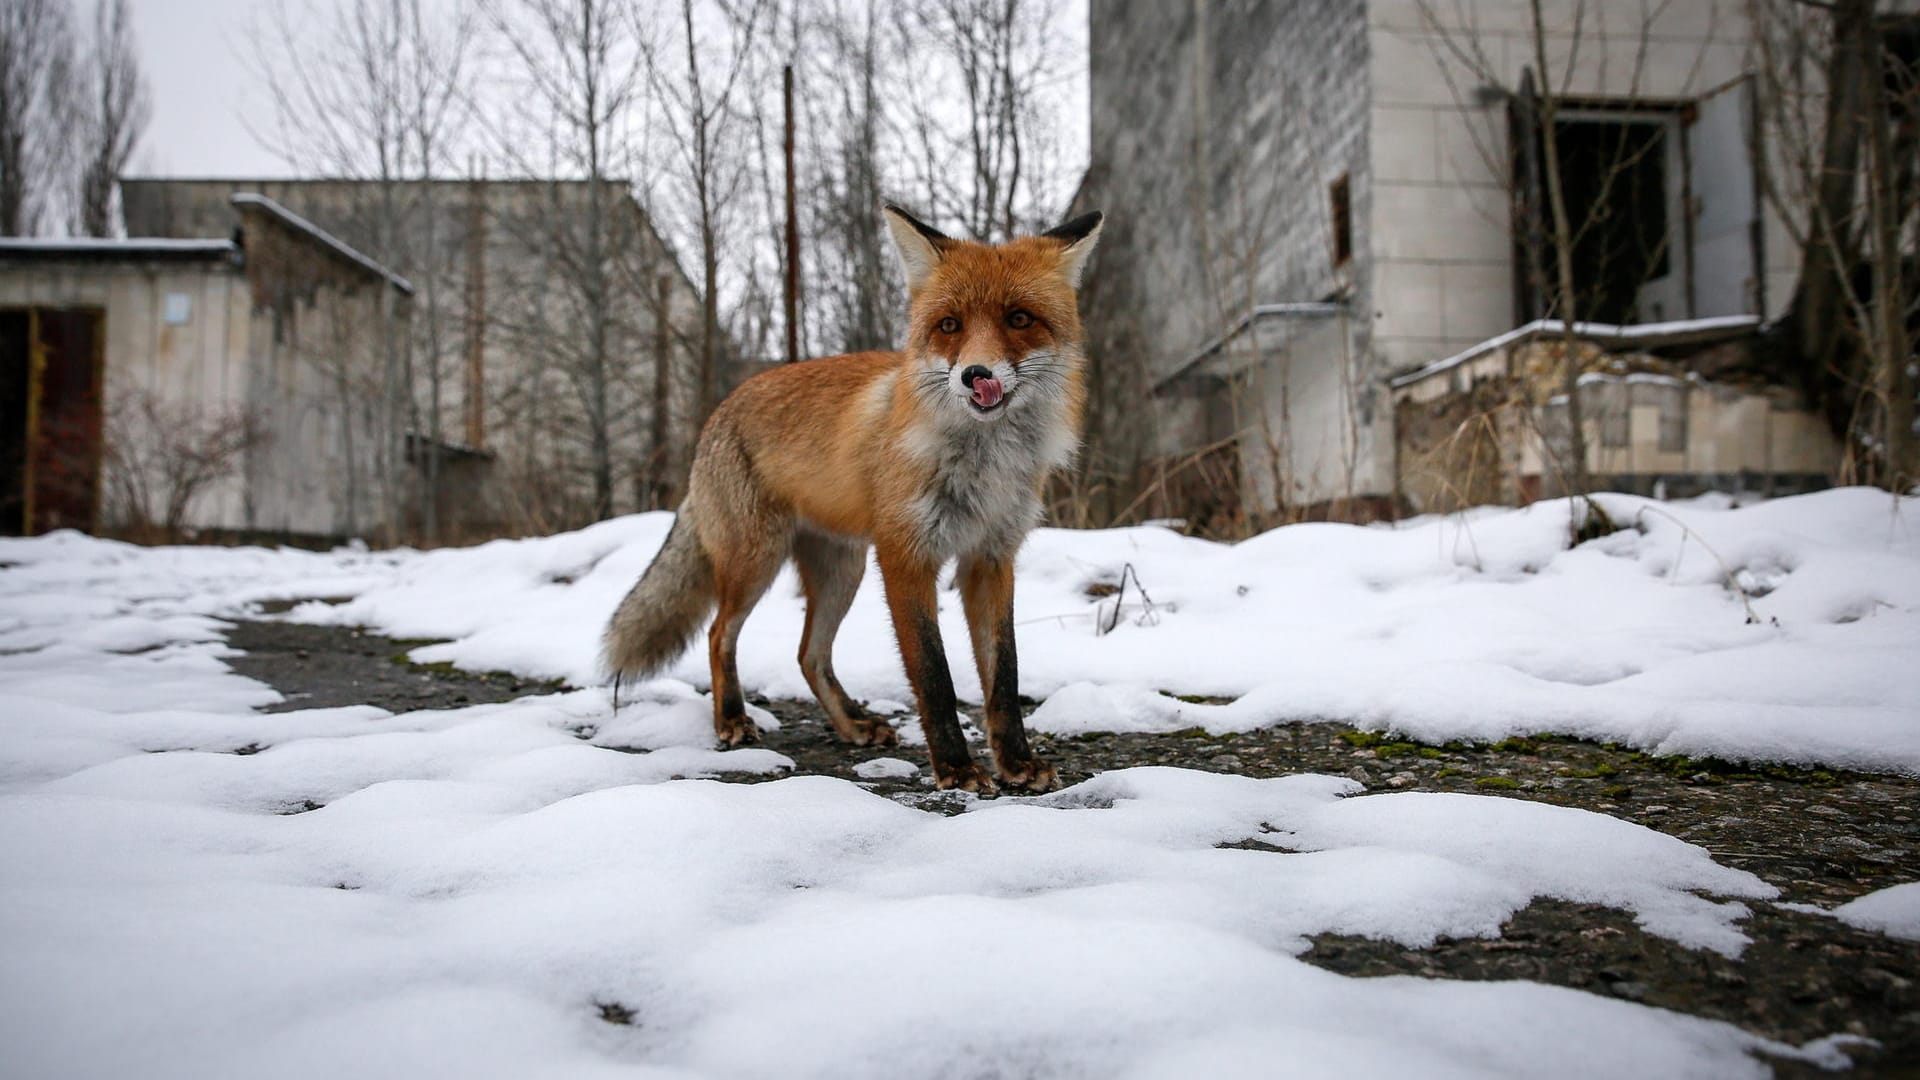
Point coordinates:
pixel 968 777
pixel 1032 776
pixel 735 731
pixel 870 731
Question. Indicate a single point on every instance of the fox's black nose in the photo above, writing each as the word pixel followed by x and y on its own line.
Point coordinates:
pixel 974 371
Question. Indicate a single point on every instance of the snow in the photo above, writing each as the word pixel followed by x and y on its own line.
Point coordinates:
pixel 1630 334
pixel 1477 626
pixel 194 888
pixel 1894 911
pixel 133 245
pixel 885 767
pixel 479 883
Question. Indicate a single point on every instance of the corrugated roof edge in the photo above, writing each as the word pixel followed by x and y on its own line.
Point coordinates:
pixel 1648 334
pixel 341 247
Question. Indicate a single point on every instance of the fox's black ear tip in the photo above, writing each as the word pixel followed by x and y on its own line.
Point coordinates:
pixel 921 227
pixel 1077 229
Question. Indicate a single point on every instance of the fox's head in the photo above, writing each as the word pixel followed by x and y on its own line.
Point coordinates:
pixel 993 329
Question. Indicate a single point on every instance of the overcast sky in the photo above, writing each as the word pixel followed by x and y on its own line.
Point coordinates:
pixel 191 50
pixel 194 54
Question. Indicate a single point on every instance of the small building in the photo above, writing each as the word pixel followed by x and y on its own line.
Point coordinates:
pixel 224 385
pixel 1312 200
pixel 504 355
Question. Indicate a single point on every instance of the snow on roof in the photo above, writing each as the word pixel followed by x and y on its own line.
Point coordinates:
pixel 129 247
pixel 1290 310
pixel 1643 334
pixel 325 238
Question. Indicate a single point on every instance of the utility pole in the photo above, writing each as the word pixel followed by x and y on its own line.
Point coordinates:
pixel 476 380
pixel 662 393
pixel 793 234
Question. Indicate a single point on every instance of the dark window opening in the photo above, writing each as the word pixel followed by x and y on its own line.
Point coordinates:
pixel 1340 191
pixel 1620 171
pixel 1900 63
pixel 1613 175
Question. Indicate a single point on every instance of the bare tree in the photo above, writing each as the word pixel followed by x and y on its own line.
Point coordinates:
pixel 116 108
pixel 697 81
pixel 982 39
pixel 162 457
pixel 855 296
pixel 433 112
pixel 582 63
pixel 36 103
pixel 1845 116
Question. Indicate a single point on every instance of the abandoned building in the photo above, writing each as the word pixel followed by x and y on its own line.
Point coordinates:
pixel 503 348
pixel 1333 213
pixel 195 385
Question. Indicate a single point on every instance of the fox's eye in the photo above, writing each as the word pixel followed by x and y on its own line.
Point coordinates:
pixel 1019 320
pixel 949 325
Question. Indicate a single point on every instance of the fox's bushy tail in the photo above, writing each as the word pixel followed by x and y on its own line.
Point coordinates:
pixel 663 612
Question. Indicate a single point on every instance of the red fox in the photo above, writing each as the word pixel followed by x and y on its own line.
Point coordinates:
pixel 932 453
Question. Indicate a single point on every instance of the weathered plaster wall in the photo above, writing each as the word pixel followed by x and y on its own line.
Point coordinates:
pixel 199 364
pixel 1217 131
pixel 315 356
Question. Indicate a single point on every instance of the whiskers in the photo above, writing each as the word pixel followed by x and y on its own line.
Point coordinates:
pixel 928 383
pixel 1046 371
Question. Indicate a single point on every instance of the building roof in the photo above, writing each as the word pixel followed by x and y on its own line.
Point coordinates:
pixel 322 237
pixel 622 181
pixel 130 249
pixel 1260 313
pixel 1638 335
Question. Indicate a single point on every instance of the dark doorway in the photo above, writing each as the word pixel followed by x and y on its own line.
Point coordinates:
pixel 50 405
pixel 16 382
pixel 1614 177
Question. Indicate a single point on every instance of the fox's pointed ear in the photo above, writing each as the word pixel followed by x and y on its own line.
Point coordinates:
pixel 1079 236
pixel 920 245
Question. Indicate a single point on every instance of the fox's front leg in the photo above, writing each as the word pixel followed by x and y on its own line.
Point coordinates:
pixel 986 591
pixel 910 582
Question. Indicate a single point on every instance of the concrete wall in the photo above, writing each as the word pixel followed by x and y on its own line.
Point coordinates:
pixel 1305 444
pixel 1442 164
pixel 1217 129
pixel 315 356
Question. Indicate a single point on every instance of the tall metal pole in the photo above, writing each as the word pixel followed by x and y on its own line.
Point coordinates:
pixel 793 234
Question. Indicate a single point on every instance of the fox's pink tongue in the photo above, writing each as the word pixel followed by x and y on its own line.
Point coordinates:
pixel 987 392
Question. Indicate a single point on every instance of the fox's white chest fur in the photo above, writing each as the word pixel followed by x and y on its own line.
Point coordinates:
pixel 983 495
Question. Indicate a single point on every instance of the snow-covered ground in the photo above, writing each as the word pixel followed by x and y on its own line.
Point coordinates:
pixel 1474 626
pixel 477 885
